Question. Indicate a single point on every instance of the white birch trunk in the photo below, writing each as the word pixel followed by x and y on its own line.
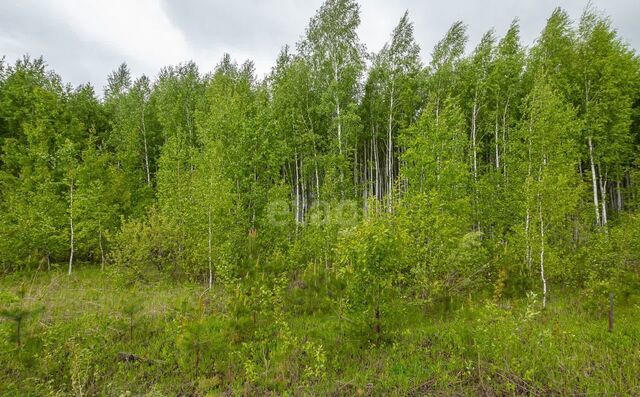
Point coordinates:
pixel 146 152
pixel 303 194
pixel 542 276
pixel 504 137
pixel 335 76
pixel 297 190
pixel 356 169
pixel 603 195
pixel 496 142
pixel 528 249
pixel 71 240
pixel 474 150
pixel 474 144
pixel 365 184
pixel 377 167
pixel 209 248
pixel 390 150
pixel 594 183
pixel 315 161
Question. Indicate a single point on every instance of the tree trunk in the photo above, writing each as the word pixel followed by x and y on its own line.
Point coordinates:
pixel 335 76
pixel 542 276
pixel 474 147
pixel 146 152
pixel 315 166
pixel 72 241
pixel 365 184
pixel 209 248
pixel 496 143
pixel 504 138
pixel 474 150
pixel 390 150
pixel 619 196
pixel 594 182
pixel 528 249
pixel 303 193
pixel 297 190
pixel 356 169
pixel 340 147
pixel 603 195
pixel 377 167
pixel 101 250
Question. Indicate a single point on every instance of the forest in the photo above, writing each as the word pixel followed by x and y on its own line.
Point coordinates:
pixel 354 223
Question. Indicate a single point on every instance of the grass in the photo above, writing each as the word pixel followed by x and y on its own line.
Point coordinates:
pixel 222 342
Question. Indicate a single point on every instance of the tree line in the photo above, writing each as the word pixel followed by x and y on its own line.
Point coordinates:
pixel 500 168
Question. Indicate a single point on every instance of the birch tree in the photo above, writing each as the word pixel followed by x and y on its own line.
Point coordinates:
pixel 333 50
pixel 506 90
pixel 391 99
pixel 100 199
pixel 67 155
pixel 125 104
pixel 230 114
pixel 442 70
pixel 296 141
pixel 33 221
pixel 544 163
pixel 504 96
pixel 554 54
pixel 211 217
pixel 177 90
pixel 475 72
pixel 608 78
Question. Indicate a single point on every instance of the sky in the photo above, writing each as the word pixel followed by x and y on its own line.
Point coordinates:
pixel 84 40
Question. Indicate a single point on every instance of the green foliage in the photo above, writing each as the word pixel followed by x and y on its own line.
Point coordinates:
pixel 352 224
pixel 507 347
pixel 372 261
pixel 15 309
pixel 144 248
pixel 612 260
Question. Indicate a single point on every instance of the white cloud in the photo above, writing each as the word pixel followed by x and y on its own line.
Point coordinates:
pixel 84 40
pixel 139 30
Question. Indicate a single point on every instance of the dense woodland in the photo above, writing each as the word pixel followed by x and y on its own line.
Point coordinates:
pixel 366 190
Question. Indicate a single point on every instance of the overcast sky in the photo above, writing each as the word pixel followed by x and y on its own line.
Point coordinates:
pixel 84 40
